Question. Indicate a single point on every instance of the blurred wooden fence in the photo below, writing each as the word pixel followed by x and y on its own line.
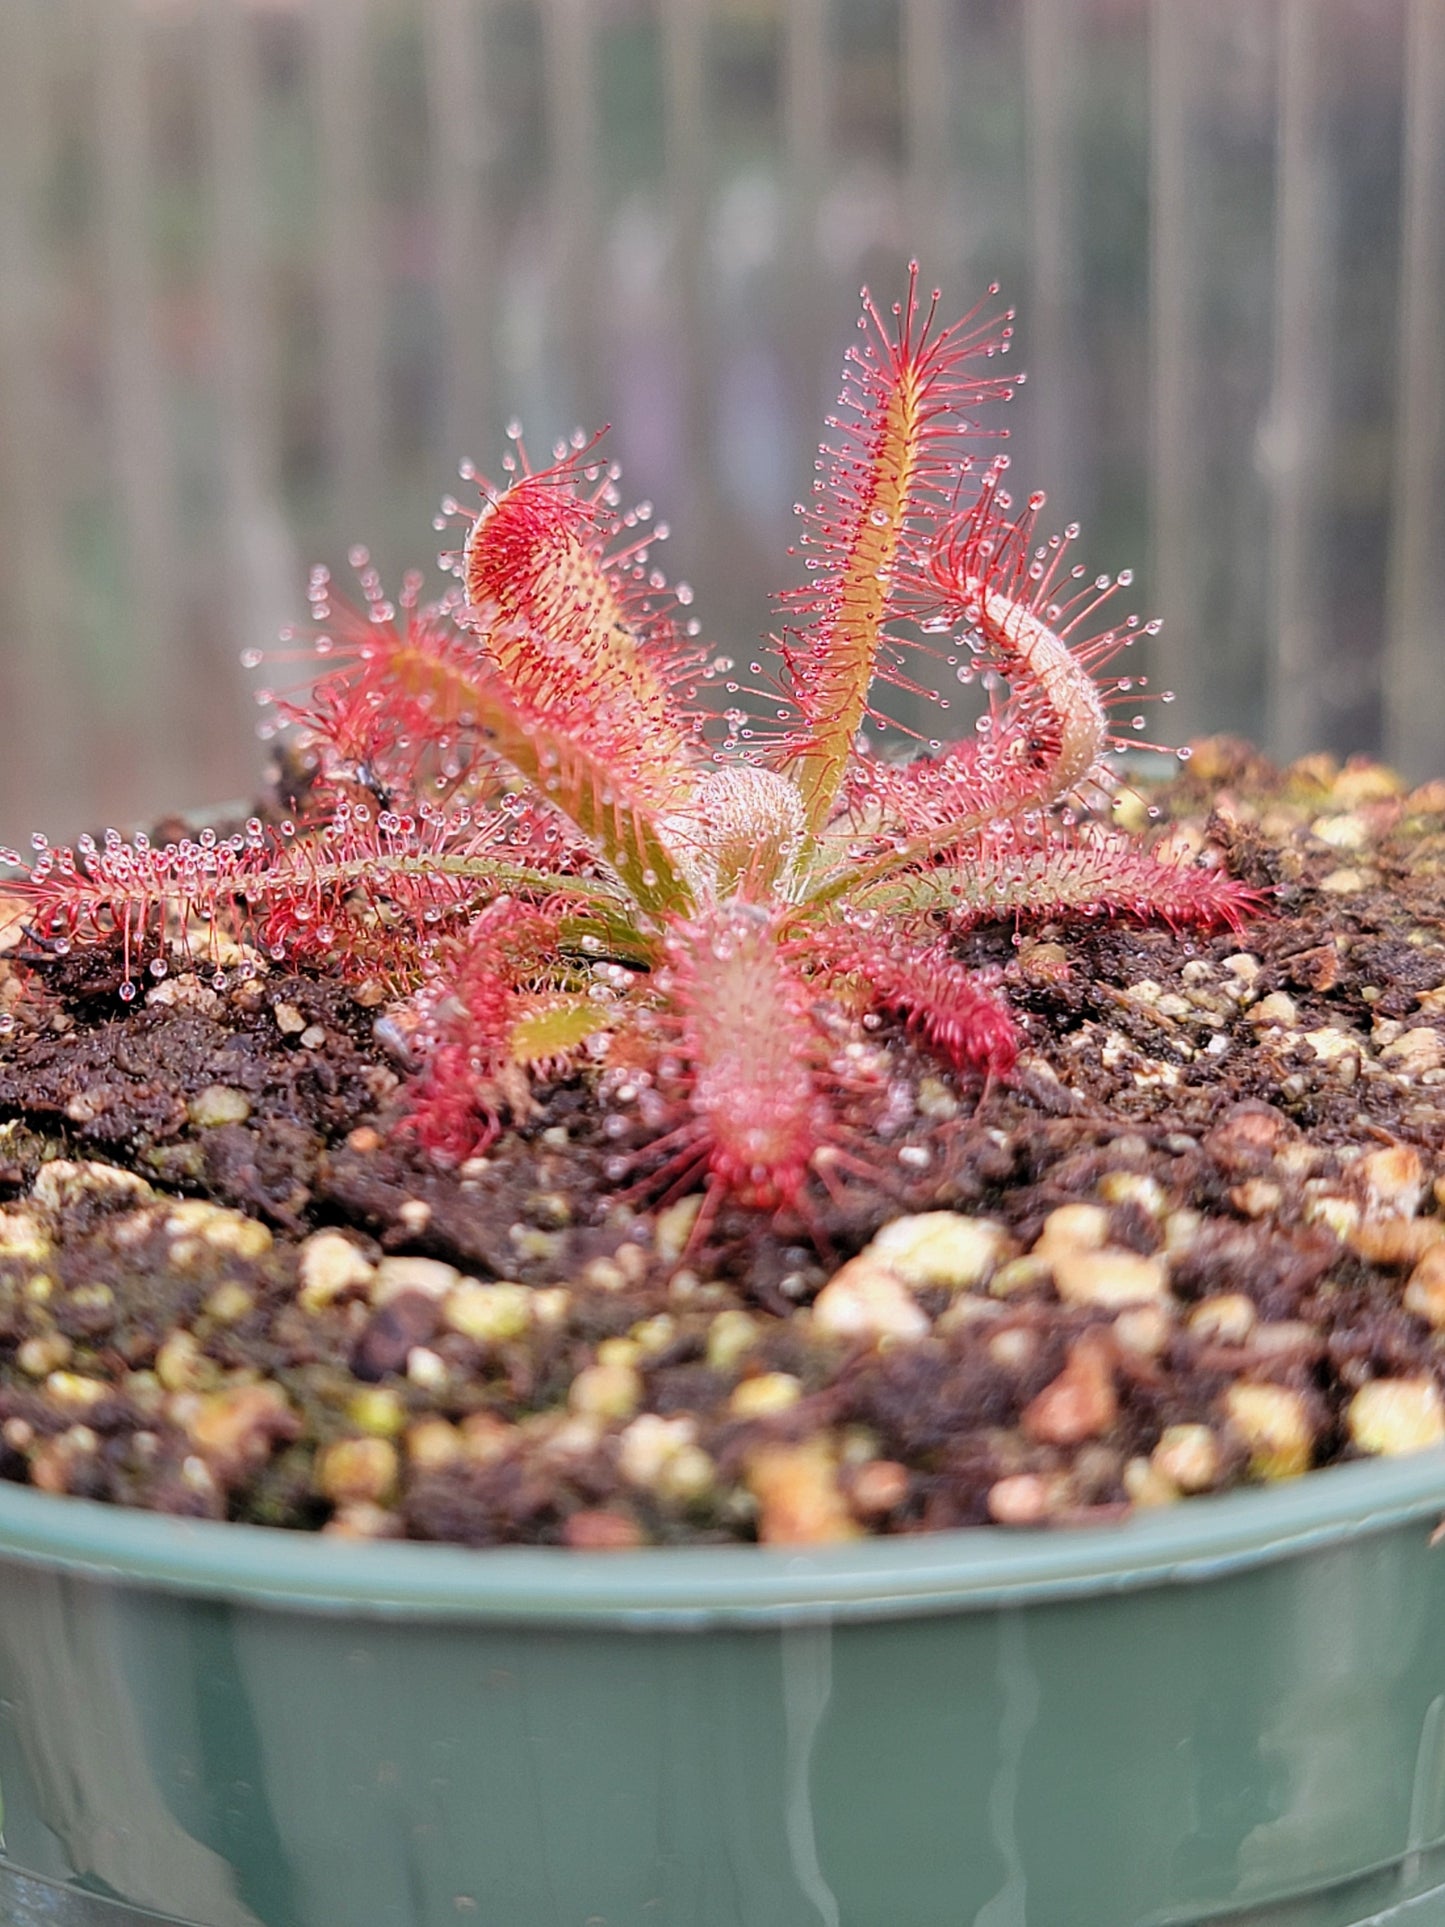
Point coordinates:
pixel 268 268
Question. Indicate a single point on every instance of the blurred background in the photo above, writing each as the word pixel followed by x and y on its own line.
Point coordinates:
pixel 269 268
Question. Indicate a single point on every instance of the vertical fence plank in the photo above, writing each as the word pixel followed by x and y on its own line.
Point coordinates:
pixel 147 747
pixel 468 252
pixel 926 85
pixel 1299 410
pixel 352 272
pixel 1175 354
pixel 1414 699
pixel 721 348
pixel 255 557
pixel 926 60
pixel 44 776
pixel 805 115
pixel 806 104
pixel 1051 53
pixel 574 209
pixel 685 143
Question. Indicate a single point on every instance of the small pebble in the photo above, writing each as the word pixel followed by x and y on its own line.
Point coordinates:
pixel 866 1299
pixel 1022 1499
pixel 1073 1227
pixel 1274 1423
pixel 1081 1402
pixel 800 1502
pixel 1188 1456
pixel 1425 1291
pixel 1396 1241
pixel 429 1276
pixel 1277 1008
pixel 597 1529
pixel 1415 1052
pixel 487 1314
pixel 1394 1180
pixel 940 1248
pixel 1109 1277
pixel 331 1265
pixel 765 1394
pixel 352 1470
pixel 1390 1416
pixel 1225 1319
pixel 606 1391
pixel 218 1104
pixel 731 1336
pixel 432 1443
pixel 674 1227
pixel 878 1487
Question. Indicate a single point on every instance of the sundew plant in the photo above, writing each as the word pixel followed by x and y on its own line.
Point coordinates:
pixel 530 824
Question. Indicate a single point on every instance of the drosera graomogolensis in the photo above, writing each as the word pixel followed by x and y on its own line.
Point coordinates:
pixel 529 823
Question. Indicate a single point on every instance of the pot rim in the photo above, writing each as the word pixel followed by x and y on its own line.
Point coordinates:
pixel 691 1587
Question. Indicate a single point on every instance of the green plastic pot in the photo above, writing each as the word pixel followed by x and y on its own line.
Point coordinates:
pixel 1230 1710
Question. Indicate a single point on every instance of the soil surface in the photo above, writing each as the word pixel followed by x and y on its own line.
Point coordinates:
pixel 1197 1239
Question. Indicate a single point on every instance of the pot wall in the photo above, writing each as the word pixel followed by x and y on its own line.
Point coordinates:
pixel 1266 1744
